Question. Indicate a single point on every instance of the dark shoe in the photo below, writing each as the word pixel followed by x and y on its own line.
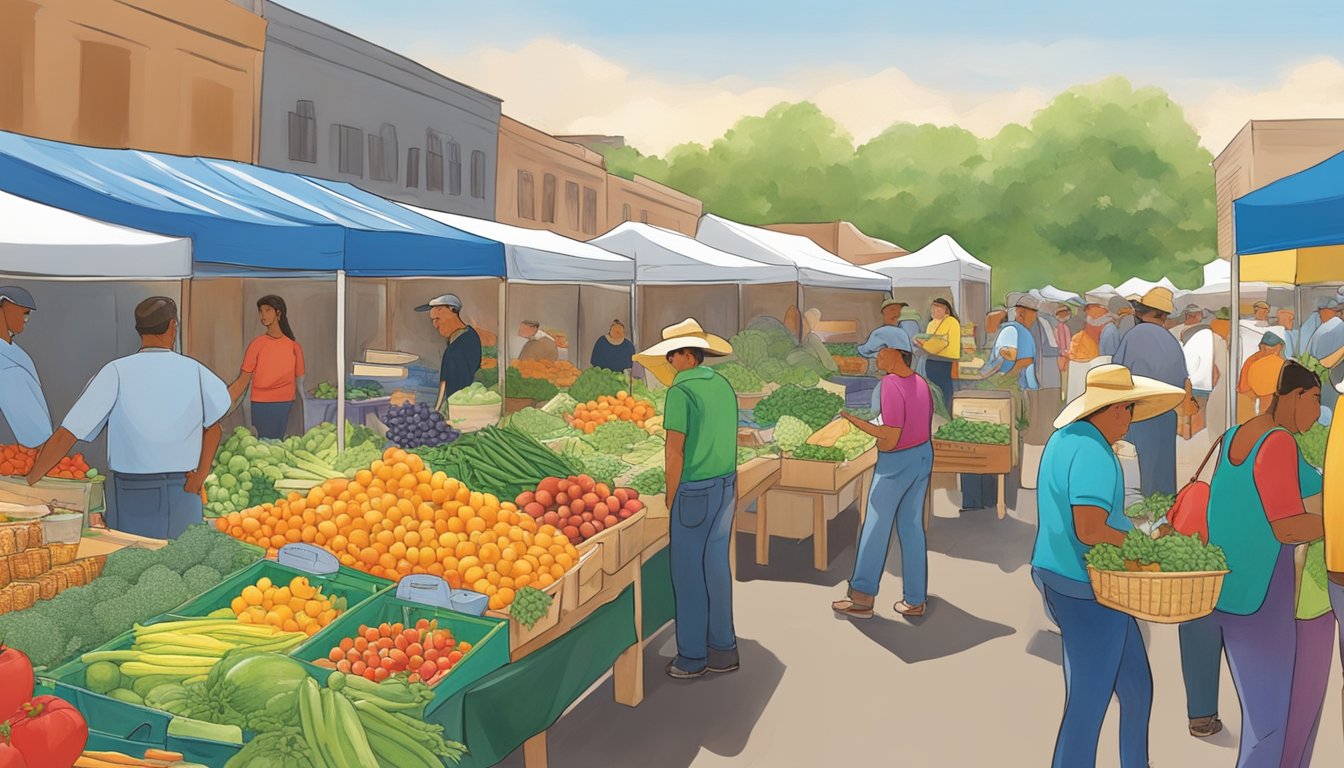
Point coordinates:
pixel 906 609
pixel 856 606
pixel 676 671
pixel 1204 727
pixel 723 661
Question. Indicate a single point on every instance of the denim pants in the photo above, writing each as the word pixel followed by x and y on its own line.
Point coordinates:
pixel 979 491
pixel 1260 651
pixel 1201 665
pixel 900 484
pixel 702 585
pixel 940 376
pixel 1104 656
pixel 152 505
pixel 271 419
pixel 1311 678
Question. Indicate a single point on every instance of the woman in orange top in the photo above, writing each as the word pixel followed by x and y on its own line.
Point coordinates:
pixel 272 366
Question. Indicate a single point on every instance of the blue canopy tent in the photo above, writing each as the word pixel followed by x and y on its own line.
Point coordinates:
pixel 247 221
pixel 1291 232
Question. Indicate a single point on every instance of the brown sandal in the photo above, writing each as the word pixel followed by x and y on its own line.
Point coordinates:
pixel 856 606
pixel 906 609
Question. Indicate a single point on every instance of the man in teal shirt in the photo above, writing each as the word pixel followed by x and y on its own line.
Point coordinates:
pixel 700 417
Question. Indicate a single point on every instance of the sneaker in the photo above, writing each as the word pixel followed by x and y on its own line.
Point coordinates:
pixel 723 661
pixel 678 672
pixel 1204 727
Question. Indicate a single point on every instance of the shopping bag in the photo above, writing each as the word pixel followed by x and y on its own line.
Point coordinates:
pixel 1189 514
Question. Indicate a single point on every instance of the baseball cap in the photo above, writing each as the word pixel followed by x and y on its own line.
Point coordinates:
pixel 446 300
pixel 1027 302
pixel 1260 305
pixel 894 303
pixel 17 295
pixel 1271 339
pixel 887 336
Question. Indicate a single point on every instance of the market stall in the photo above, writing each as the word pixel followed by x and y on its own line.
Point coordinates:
pixel 941 268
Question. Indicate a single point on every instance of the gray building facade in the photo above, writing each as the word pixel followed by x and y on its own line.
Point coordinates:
pixel 339 107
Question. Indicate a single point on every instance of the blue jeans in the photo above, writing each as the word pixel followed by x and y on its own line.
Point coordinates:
pixel 979 491
pixel 702 584
pixel 152 505
pixel 1201 665
pixel 939 371
pixel 900 484
pixel 271 419
pixel 1104 656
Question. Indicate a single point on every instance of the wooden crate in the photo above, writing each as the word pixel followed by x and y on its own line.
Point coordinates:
pixel 972 458
pixel 992 406
pixel 620 544
pixel 756 470
pixel 520 635
pixel 823 475
pixel 587 579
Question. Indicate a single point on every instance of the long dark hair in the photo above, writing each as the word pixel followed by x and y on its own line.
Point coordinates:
pixel 945 304
pixel 278 304
pixel 1292 377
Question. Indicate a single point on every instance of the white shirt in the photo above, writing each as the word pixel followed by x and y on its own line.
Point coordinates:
pixel 517 343
pixel 155 404
pixel 1199 359
pixel 21 400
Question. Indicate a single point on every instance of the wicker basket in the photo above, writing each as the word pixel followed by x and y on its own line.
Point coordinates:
pixel 1165 598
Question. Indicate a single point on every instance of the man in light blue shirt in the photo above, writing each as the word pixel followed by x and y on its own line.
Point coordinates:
pixel 162 413
pixel 21 399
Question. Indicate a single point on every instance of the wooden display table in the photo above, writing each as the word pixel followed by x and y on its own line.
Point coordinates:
pixel 753 479
pixel 822 482
pixel 973 458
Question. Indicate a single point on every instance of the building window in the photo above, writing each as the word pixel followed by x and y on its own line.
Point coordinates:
pixel 211 119
pixel 454 168
pixel 413 167
pixel 548 198
pixel 625 212
pixel 644 216
pixel 433 161
pixel 303 132
pixel 527 196
pixel 590 211
pixel 383 153
pixel 347 144
pixel 478 174
pixel 572 204
pixel 104 95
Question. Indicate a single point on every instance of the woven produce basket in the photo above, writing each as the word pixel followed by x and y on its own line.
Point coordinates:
pixel 1164 598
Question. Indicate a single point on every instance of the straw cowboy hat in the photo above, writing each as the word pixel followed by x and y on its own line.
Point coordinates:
pixel 1159 298
pixel 1111 384
pixel 684 335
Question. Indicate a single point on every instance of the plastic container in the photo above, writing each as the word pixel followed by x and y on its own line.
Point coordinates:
pixel 489 638
pixel 64 528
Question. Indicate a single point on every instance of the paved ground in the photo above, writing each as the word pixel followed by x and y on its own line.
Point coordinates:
pixel 977 681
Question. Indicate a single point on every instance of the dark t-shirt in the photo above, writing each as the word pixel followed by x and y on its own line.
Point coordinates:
pixel 461 361
pixel 613 357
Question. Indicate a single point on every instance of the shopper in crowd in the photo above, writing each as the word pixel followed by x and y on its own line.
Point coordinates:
pixel 1313 321
pixel 1192 320
pixel 1202 356
pixel 1257 516
pixel 1085 346
pixel 462 355
pixel 1286 320
pixel 162 413
pixel 272 367
pixel 1124 310
pixel 891 318
pixel 1260 313
pixel 1327 346
pixel 943 346
pixel 21 400
pixel 1063 338
pixel 1043 403
pixel 700 416
pixel 537 344
pixel 1080 498
pixel 1215 417
pixel 1259 379
pixel 613 351
pixel 1150 351
pixel 1121 321
pixel 900 484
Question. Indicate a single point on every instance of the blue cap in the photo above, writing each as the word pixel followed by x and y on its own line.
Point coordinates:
pixel 1272 339
pixel 884 337
pixel 446 300
pixel 17 295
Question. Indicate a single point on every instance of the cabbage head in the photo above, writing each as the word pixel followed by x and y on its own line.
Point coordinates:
pixel 261 689
pixel 791 433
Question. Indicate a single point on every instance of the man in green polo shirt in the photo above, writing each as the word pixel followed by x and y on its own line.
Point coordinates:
pixel 700 417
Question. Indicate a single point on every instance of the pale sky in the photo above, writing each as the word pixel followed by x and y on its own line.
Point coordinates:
pixel 666 73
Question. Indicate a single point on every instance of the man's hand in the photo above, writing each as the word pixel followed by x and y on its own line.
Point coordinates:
pixel 1164 529
pixel 194 482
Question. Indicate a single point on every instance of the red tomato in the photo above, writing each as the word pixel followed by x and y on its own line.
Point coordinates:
pixel 16 681
pixel 11 757
pixel 49 732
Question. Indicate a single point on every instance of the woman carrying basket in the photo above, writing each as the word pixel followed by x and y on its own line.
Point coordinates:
pixel 1081 503
pixel 1257 515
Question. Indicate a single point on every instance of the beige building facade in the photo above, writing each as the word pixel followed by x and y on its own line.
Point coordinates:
pixel 546 183
pixel 645 200
pixel 162 75
pixel 1263 152
pixel 845 240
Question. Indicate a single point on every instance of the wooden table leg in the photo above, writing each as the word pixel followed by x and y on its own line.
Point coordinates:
pixel 820 552
pixel 1003 505
pixel 762 535
pixel 534 751
pixel 628 673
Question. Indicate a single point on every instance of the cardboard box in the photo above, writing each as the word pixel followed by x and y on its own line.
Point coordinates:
pixel 587 578
pixel 754 471
pixel 790 512
pixel 972 458
pixel 823 475
pixel 520 635
pixel 991 406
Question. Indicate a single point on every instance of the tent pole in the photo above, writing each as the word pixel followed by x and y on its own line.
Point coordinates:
pixel 1234 343
pixel 340 360
pixel 501 346
pixel 741 311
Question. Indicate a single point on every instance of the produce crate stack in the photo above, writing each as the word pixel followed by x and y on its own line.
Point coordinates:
pixel 31 570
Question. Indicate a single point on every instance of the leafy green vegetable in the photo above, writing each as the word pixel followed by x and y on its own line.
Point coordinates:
pixel 649 482
pixel 791 432
pixel 363 389
pixel 815 407
pixel 530 605
pixel 1312 444
pixel 854 443
pixel 961 430
pixel 603 468
pixel 284 748
pixel 518 385
pixel 747 453
pixel 1152 508
pixel 616 437
pixel 595 382
pixel 843 350
pixel 475 394
pixel 742 378
pixel 257 691
pixel 809 452
pixel 539 425
pixel 1172 553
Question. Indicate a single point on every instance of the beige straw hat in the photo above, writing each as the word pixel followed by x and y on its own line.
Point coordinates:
pixel 684 335
pixel 1111 384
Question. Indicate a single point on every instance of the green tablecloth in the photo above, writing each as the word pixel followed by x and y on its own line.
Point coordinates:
pixel 497 714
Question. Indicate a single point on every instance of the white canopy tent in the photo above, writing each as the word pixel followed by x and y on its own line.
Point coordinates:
pixel 1057 295
pixel 816 266
pixel 942 264
pixel 1137 286
pixel 47 242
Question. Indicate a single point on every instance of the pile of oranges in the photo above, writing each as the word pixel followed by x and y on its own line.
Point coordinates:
pixel 561 373
pixel 17 460
pixel 298 607
pixel 397 518
pixel 591 415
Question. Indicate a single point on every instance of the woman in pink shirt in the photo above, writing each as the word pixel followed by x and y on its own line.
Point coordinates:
pixel 900 483
pixel 272 366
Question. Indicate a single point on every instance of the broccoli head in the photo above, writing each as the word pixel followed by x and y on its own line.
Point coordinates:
pixel 159 590
pixel 71 608
pixel 108 587
pixel 200 578
pixel 35 634
pixel 129 563
pixel 117 615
